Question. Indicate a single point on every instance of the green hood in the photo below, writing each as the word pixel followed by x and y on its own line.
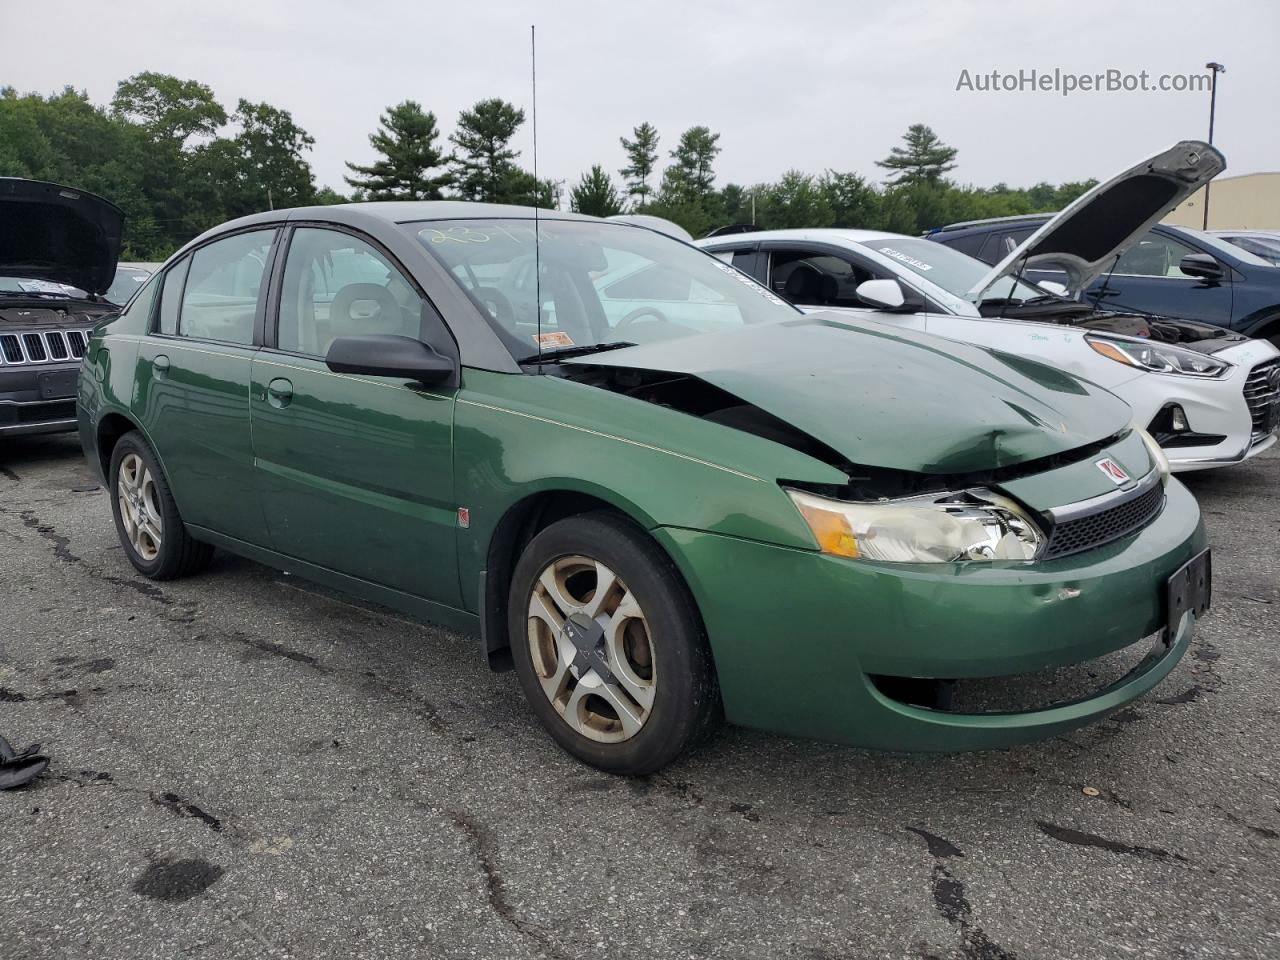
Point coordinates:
pixel 887 397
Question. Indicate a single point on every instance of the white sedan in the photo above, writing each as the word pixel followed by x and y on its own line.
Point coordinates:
pixel 1194 387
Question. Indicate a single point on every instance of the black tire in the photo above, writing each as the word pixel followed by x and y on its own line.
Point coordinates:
pixel 179 555
pixel 686 697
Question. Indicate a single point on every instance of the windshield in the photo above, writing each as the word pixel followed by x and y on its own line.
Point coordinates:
pixel 126 283
pixel 41 287
pixel 953 271
pixel 601 283
pixel 1268 248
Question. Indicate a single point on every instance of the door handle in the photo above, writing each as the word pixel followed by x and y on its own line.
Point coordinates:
pixel 161 365
pixel 279 392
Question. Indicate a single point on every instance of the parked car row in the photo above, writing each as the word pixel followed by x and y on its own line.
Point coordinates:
pixel 668 484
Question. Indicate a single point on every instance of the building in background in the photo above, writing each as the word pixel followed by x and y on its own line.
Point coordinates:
pixel 1251 201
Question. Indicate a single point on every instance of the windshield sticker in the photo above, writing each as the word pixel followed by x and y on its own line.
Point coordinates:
pixel 751 284
pixel 557 338
pixel 909 261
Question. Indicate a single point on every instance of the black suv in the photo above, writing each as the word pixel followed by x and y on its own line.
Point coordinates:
pixel 1223 285
pixel 58 252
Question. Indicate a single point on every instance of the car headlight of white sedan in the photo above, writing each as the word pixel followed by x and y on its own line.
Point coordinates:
pixel 1157 357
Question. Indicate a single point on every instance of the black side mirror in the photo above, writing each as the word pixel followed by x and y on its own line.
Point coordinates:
pixel 387 355
pixel 1202 266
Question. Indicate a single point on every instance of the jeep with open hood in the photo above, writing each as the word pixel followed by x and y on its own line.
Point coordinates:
pixel 58 252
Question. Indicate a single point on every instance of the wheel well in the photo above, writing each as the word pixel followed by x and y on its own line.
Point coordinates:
pixel 518 526
pixel 1268 329
pixel 111 428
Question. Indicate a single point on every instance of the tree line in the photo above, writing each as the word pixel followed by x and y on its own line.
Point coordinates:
pixel 178 162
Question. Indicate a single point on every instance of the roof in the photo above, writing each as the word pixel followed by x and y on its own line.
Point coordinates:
pixel 815 235
pixel 1016 218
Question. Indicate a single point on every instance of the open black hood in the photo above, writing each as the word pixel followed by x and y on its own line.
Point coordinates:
pixel 51 232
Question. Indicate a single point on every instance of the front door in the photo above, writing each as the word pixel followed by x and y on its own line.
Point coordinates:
pixel 355 473
pixel 192 383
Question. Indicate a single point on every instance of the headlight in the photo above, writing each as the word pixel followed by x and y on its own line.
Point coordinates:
pixel 939 528
pixel 1157 455
pixel 1158 357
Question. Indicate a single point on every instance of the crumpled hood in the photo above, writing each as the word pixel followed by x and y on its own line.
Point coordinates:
pixel 55 233
pixel 886 397
pixel 1087 236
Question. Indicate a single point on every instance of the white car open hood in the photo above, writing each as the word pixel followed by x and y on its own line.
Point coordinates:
pixel 1087 236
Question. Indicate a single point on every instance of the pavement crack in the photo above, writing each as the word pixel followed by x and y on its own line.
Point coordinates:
pixel 953 905
pixel 1082 839
pixel 185 808
pixel 482 845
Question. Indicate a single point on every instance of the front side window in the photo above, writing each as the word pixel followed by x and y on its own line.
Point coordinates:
pixel 570 284
pixel 336 285
pixel 1153 256
pixel 223 285
pixel 816 279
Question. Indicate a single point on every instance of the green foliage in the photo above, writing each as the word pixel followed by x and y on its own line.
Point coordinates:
pixel 688 181
pixel 595 195
pixel 485 163
pixel 923 159
pixel 642 157
pixel 411 165
pixel 169 108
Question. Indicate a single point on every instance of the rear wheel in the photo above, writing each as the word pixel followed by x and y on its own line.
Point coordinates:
pixel 608 646
pixel 147 520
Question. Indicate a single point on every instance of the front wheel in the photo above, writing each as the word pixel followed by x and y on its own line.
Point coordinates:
pixel 147 519
pixel 608 647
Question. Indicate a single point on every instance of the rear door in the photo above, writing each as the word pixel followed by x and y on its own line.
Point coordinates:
pixel 191 390
pixel 355 473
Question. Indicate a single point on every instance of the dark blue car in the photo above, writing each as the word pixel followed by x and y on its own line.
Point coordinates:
pixel 1171 271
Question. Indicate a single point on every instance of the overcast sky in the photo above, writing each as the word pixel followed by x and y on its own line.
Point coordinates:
pixel 802 85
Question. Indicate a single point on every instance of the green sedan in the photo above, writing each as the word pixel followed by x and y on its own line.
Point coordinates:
pixel 657 491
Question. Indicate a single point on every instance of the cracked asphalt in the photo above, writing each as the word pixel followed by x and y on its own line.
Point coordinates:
pixel 244 765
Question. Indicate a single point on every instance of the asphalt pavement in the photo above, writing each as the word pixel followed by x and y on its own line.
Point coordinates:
pixel 245 765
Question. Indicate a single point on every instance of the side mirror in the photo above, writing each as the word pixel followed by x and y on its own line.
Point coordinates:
pixel 386 355
pixel 1202 266
pixel 882 294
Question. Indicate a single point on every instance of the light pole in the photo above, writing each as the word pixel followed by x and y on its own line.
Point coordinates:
pixel 1216 69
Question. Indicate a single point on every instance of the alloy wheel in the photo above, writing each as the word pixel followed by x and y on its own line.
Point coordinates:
pixel 590 646
pixel 139 507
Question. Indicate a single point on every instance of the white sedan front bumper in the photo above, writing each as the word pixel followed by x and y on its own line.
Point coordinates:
pixel 1240 408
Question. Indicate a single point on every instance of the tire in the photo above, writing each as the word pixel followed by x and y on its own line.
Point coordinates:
pixel 662 696
pixel 162 549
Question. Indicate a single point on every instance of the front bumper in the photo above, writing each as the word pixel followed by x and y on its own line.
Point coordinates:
pixel 25 408
pixel 797 636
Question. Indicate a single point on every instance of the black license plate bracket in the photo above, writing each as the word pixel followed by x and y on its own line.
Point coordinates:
pixel 1189 589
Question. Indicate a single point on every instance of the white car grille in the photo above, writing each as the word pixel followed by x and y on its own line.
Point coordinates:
pixel 41 346
pixel 1262 394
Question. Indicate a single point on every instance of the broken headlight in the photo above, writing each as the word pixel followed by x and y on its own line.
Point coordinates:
pixel 1157 357
pixel 938 528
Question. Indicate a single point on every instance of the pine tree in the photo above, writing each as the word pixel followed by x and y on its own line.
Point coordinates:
pixel 595 195
pixel 924 159
pixel 485 166
pixel 689 178
pixel 411 165
pixel 642 152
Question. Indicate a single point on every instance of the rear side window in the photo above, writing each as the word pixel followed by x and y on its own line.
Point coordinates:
pixel 999 245
pixel 970 243
pixel 224 283
pixel 171 297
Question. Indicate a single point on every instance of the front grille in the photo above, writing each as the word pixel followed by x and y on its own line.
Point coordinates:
pixel 33 343
pixel 1084 533
pixel 42 346
pixel 1262 394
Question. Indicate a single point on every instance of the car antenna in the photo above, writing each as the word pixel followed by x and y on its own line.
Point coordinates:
pixel 537 239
